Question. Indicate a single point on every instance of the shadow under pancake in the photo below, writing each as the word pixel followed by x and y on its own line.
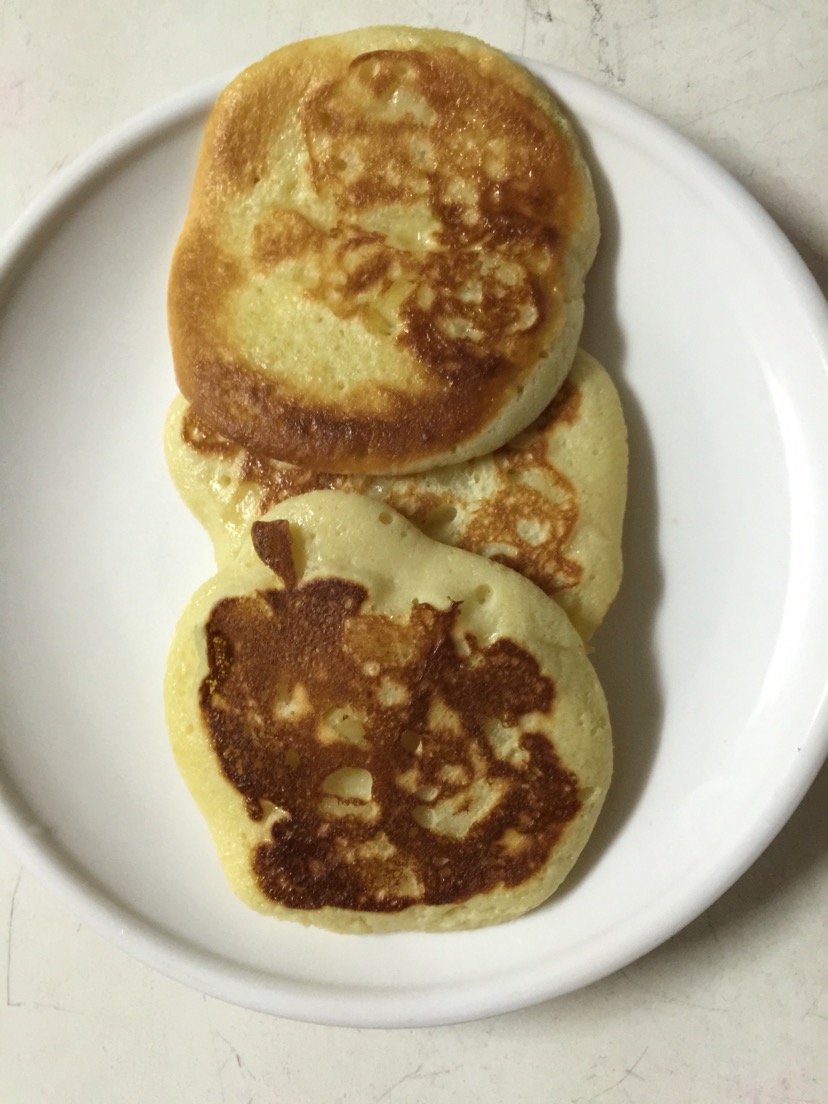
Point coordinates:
pixel 623 650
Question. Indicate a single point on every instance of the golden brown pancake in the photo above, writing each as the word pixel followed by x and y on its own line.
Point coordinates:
pixel 549 504
pixel 408 738
pixel 382 265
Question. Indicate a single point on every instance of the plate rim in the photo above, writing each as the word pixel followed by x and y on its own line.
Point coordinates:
pixel 211 973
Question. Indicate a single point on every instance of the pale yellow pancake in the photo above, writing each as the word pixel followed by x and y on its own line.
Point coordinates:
pixel 550 504
pixel 381 731
pixel 382 266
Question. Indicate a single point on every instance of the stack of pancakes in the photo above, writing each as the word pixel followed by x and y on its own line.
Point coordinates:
pixel 413 479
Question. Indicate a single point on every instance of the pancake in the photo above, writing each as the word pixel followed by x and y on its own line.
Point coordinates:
pixel 549 504
pixel 408 739
pixel 382 266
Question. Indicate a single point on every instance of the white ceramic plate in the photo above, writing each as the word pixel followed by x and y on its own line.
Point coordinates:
pixel 714 659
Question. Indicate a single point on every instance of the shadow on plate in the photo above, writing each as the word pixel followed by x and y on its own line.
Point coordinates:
pixel 623 648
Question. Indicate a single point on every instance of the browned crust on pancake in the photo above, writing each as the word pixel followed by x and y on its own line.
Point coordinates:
pixel 496 527
pixel 281 660
pixel 474 312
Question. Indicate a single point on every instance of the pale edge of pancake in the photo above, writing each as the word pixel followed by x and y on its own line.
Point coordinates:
pixel 540 385
pixel 397 564
pixel 595 457
pixel 591 454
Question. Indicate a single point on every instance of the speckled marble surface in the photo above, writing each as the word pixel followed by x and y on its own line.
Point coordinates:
pixel 735 1007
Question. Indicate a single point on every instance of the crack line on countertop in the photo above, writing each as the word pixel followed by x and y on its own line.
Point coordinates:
pixel 12 906
pixel 630 1072
pixel 412 1075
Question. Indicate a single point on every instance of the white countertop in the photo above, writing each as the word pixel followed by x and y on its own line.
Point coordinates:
pixel 735 1007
